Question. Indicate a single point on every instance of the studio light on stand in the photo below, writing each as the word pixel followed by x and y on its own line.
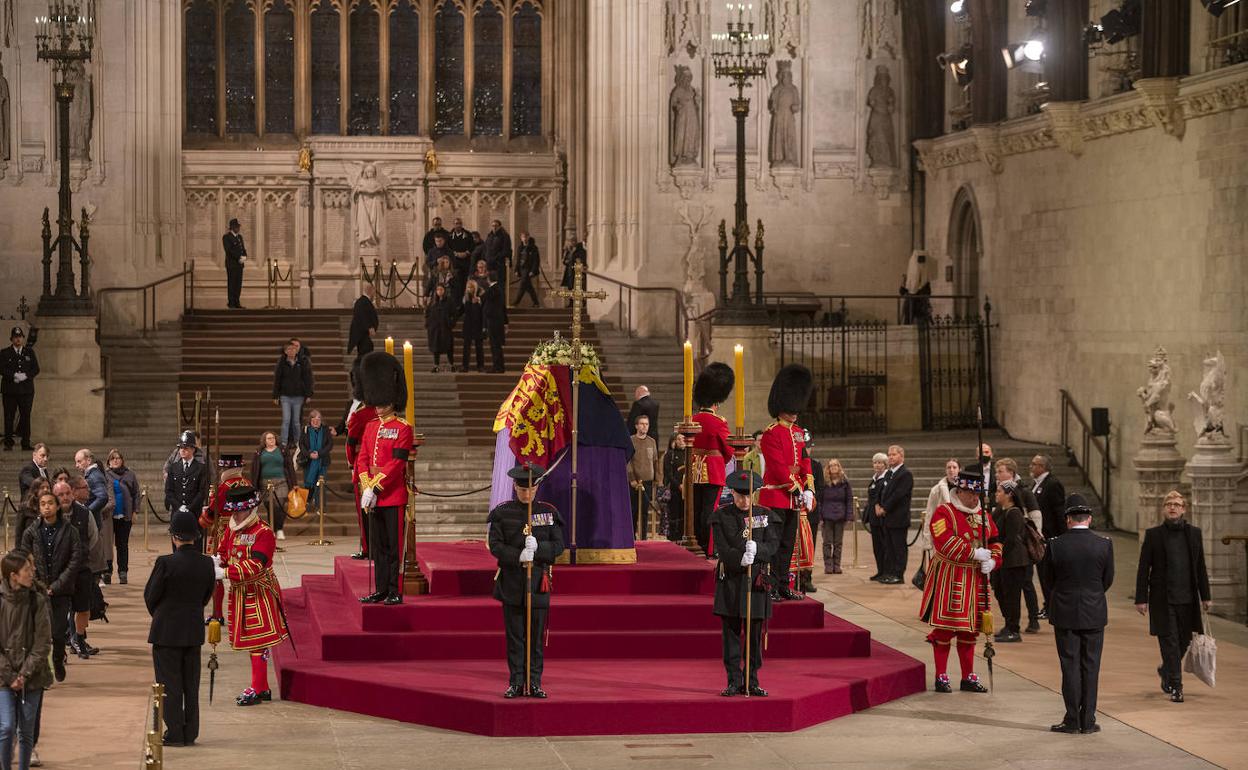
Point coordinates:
pixel 1026 55
pixel 958 64
pixel 1216 7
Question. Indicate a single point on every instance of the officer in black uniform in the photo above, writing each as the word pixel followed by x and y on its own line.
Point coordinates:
pixel 235 258
pixel 187 481
pixel 177 591
pixel 736 552
pixel 515 549
pixel 18 369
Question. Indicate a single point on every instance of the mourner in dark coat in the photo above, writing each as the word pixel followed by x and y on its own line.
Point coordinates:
pixel 575 252
pixel 1172 586
pixel 53 542
pixel 436 231
pixel 18 368
pixel 894 505
pixel 497 247
pixel 873 521
pixel 1080 567
pixel 439 328
pixel 528 267
pixel 36 469
pixel 177 591
pixel 364 322
pixel 743 564
pixel 516 551
pixel 473 328
pixel 494 313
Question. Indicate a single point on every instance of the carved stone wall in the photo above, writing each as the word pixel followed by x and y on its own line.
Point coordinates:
pixel 1103 236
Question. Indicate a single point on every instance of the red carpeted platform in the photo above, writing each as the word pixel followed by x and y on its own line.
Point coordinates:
pixel 633 649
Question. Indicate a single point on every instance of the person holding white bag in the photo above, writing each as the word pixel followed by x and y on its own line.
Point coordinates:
pixel 1172 579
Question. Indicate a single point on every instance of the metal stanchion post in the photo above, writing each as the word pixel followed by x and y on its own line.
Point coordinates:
pixel 146 516
pixel 272 506
pixel 153 750
pixel 320 505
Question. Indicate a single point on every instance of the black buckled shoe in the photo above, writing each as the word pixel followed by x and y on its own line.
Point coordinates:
pixel 757 691
pixel 537 692
pixel 513 691
pixel 1176 695
pixel 248 697
pixel 775 596
pixel 731 690
pixel 789 594
pixel 1091 728
pixel 972 684
pixel 1064 727
pixel 359 555
pixel 1007 637
pixel 392 600
pixel 373 598
pixel 942 684
pixel 1165 686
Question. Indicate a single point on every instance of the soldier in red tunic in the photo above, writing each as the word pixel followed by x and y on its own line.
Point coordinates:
pixel 955 593
pixel 256 620
pixel 710 447
pixel 788 484
pixel 358 418
pixel 380 469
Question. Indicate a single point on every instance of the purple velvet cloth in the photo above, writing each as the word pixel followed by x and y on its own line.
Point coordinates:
pixel 504 461
pixel 604 512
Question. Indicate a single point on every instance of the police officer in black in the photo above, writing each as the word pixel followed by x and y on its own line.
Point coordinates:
pixel 187 481
pixel 18 369
pixel 730 525
pixel 177 591
pixel 515 549
pixel 235 258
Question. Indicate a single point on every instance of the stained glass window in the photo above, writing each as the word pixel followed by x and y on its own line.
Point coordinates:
pixel 405 68
pixel 487 62
pixel 279 68
pixel 526 71
pixel 325 69
pixel 239 34
pixel 201 67
pixel 448 73
pixel 364 109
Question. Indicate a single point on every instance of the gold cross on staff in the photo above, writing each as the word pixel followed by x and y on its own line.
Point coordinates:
pixel 578 295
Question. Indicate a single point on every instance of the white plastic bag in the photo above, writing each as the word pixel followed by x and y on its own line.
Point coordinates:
pixel 1202 656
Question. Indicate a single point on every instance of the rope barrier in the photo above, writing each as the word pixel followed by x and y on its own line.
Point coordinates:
pixel 151 509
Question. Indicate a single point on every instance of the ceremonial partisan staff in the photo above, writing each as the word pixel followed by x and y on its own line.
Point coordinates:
pixel 985 621
pixel 528 595
pixel 214 638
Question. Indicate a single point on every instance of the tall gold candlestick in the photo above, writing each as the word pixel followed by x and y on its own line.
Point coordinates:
pixel 409 377
pixel 688 378
pixel 738 365
pixel 390 345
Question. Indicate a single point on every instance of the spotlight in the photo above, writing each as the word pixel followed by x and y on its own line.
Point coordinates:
pixel 1024 53
pixel 1122 22
pixel 1216 7
pixel 1093 34
pixel 958 63
pixel 959 10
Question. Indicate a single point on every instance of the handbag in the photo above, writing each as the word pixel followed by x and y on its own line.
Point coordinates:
pixel 920 576
pixel 1034 542
pixel 1202 656
pixel 296 502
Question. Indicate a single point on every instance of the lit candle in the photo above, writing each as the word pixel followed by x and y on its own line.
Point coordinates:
pixel 688 379
pixel 738 365
pixel 390 345
pixel 409 376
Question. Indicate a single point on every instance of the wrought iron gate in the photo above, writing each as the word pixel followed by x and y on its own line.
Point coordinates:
pixel 848 364
pixel 955 370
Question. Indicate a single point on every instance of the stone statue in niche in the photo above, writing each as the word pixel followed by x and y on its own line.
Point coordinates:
pixel 4 116
pixel 784 103
pixel 81 111
pixel 368 198
pixel 686 120
pixel 881 136
pixel 1156 394
pixel 1210 402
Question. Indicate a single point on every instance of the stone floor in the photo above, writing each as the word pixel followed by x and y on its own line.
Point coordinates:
pixel 96 718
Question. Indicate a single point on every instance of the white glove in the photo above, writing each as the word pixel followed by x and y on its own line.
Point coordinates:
pixel 182 509
pixel 808 499
pixel 242 260
pixel 747 558
pixel 751 547
pixel 19 377
pixel 216 568
pixel 981 554
pixel 530 543
pixel 526 556
pixel 368 499
pixel 985 566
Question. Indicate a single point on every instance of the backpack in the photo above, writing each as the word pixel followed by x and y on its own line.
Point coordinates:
pixel 1034 542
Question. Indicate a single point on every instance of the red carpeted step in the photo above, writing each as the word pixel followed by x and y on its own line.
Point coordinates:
pixel 603 697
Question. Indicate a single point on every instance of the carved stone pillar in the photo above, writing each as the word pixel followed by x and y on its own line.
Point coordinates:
pixel 69 378
pixel 1215 473
pixel 1158 469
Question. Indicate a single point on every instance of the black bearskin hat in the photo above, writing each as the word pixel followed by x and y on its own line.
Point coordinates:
pixel 790 391
pixel 713 385
pixel 381 379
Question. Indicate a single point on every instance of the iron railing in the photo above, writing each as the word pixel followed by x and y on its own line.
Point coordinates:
pixel 149 306
pixel 624 305
pixel 1080 453
pixel 838 309
pixel 955 370
pixel 849 364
